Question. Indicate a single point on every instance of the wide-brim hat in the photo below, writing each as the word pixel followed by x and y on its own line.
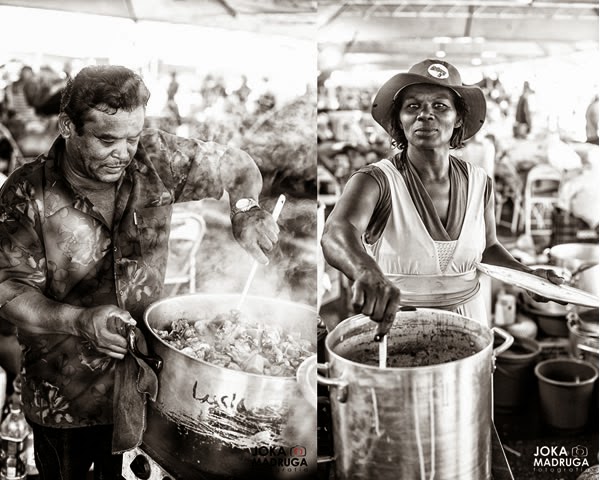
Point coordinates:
pixel 434 72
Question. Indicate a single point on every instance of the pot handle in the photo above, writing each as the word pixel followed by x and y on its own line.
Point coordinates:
pixel 508 341
pixel 587 348
pixel 582 268
pixel 341 385
pixel 156 363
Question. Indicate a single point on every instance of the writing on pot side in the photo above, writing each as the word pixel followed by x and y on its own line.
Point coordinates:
pixel 557 459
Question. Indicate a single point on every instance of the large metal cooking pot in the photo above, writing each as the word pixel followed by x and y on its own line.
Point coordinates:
pixel 574 256
pixel 588 279
pixel 213 422
pixel 410 422
pixel 583 338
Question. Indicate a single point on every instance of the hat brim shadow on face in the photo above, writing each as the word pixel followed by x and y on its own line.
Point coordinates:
pixel 472 95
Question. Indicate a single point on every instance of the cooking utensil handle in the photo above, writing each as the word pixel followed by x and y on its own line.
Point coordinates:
pixel 582 268
pixel 508 341
pixel 325 458
pixel 275 215
pixel 587 348
pixel 341 385
pixel 156 363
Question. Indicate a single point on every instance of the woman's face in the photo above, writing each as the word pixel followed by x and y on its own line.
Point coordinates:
pixel 428 115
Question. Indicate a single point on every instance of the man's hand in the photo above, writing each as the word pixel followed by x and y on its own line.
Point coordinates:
pixel 105 327
pixel 376 297
pixel 256 231
pixel 551 276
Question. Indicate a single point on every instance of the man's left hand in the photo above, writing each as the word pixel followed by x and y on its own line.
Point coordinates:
pixel 551 276
pixel 256 231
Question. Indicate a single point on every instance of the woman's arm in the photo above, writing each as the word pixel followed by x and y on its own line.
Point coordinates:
pixel 495 253
pixel 372 293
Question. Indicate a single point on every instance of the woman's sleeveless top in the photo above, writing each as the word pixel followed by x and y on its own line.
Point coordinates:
pixel 430 273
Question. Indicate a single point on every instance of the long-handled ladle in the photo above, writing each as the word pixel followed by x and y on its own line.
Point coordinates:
pixel 275 215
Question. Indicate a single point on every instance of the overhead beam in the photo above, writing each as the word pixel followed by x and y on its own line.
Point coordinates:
pixel 479 3
pixel 228 8
pixel 130 10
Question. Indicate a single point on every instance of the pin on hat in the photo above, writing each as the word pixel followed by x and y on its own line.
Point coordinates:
pixel 433 72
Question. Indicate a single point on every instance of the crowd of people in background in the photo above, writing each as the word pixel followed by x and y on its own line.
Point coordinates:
pixel 347 138
pixel 30 103
pixel 507 147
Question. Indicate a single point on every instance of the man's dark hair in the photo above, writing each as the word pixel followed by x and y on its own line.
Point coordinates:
pixel 106 88
pixel 456 141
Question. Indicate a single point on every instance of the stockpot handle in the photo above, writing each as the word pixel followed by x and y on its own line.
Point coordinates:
pixel 508 341
pixel 582 268
pixel 587 348
pixel 155 362
pixel 341 385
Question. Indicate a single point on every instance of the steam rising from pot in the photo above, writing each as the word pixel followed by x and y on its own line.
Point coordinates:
pixel 223 266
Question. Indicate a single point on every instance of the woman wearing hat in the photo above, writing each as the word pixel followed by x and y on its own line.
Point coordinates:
pixel 408 230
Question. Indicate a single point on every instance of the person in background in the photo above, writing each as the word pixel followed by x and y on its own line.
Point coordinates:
pixel 410 229
pixel 84 246
pixel 172 90
pixel 20 112
pixel 523 121
pixel 480 151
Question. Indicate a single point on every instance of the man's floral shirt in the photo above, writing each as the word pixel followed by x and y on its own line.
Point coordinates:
pixel 53 240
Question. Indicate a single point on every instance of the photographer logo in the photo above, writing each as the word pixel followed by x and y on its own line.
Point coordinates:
pixel 557 459
pixel 281 459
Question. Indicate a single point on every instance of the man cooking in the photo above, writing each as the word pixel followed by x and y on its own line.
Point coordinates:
pixel 84 231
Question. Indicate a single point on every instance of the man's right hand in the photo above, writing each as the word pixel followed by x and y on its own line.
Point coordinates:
pixel 105 327
pixel 376 297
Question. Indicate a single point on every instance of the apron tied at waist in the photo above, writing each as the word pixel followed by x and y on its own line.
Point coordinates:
pixel 436 291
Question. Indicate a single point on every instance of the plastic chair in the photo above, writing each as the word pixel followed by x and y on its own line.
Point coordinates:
pixel 540 198
pixel 187 231
pixel 517 211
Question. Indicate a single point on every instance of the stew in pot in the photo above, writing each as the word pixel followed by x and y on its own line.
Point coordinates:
pixel 232 341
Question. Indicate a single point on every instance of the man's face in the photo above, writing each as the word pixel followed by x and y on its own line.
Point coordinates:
pixel 107 144
pixel 428 115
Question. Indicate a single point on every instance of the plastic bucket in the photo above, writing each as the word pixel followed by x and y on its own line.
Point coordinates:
pixel 513 377
pixel 566 388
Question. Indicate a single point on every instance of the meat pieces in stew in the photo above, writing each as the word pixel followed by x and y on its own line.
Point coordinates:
pixel 232 341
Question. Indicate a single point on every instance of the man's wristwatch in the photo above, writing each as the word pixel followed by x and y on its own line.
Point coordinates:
pixel 244 205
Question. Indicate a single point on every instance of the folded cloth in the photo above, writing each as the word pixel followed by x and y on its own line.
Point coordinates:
pixel 129 400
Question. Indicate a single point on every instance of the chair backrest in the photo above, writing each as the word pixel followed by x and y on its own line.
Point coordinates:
pixel 542 174
pixel 187 226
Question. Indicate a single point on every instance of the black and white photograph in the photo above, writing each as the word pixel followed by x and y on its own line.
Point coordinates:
pixel 458 171
pixel 299 239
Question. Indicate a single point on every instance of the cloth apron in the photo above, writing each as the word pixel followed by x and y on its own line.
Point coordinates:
pixel 429 273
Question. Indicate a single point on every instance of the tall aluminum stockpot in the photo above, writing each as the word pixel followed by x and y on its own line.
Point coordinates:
pixel 222 423
pixel 574 256
pixel 584 337
pixel 413 423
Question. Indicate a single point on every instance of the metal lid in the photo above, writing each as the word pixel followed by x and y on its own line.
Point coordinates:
pixel 541 286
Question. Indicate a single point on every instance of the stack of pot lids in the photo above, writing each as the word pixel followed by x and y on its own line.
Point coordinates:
pixel 587 322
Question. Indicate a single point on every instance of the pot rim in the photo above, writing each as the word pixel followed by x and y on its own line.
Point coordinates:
pixel 558 383
pixel 158 303
pixel 507 357
pixel 574 329
pixel 422 368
